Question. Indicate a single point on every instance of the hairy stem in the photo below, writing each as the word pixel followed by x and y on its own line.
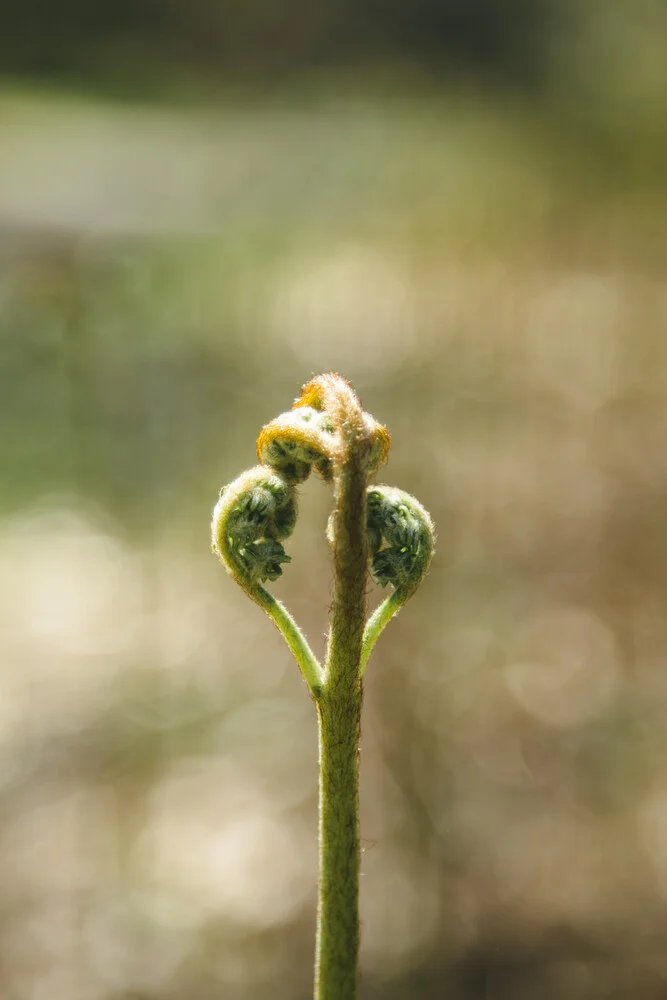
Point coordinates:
pixel 339 713
pixel 293 636
pixel 376 624
pixel 337 946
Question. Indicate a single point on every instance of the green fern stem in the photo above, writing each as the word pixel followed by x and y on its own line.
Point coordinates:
pixel 293 636
pixel 337 944
pixel 377 622
pixel 339 716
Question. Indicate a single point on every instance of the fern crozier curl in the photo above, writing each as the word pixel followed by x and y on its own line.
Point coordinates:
pixel 401 542
pixel 297 441
pixel 251 518
pixel 401 538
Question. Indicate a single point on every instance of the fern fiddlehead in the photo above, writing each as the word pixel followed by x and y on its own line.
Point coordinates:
pixel 328 432
pixel 298 440
pixel 401 540
pixel 251 519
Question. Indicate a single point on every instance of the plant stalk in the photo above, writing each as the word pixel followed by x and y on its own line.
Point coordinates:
pixel 339 714
pixel 337 947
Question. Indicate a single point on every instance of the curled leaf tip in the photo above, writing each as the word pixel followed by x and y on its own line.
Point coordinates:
pixel 333 395
pixel 252 516
pixel 401 538
pixel 322 388
pixel 380 443
pixel 297 441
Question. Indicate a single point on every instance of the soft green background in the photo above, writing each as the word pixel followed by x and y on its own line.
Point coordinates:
pixel 483 254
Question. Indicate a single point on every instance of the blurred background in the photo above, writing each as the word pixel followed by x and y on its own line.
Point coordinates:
pixel 461 206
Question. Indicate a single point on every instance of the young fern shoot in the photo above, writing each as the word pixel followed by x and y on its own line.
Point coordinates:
pixel 328 432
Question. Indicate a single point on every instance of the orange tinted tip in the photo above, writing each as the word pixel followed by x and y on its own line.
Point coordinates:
pixel 313 393
pixel 380 447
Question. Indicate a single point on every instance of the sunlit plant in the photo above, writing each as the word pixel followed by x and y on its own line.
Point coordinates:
pixel 327 430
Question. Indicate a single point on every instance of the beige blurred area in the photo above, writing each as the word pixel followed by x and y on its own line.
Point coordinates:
pixel 488 267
